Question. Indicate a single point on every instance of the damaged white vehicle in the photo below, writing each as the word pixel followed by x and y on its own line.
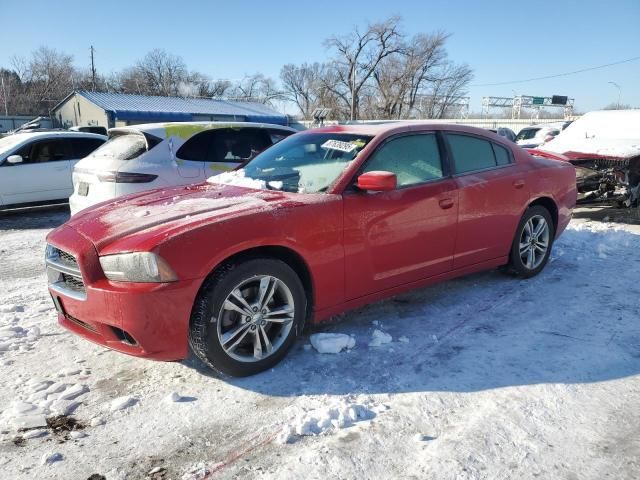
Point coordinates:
pixel 604 146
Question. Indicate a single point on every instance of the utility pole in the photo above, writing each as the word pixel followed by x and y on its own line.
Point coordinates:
pixel 619 92
pixel 93 69
pixel 4 95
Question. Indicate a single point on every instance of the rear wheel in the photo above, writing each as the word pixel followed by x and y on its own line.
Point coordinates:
pixel 247 316
pixel 532 243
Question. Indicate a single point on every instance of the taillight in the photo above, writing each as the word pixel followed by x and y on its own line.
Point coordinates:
pixel 126 177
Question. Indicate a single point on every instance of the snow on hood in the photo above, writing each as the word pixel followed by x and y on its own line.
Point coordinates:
pixel 237 178
pixel 610 133
pixel 171 208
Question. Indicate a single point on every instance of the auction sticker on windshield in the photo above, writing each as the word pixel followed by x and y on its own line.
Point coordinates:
pixel 338 145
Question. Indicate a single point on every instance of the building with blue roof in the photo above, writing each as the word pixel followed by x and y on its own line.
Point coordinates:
pixel 110 110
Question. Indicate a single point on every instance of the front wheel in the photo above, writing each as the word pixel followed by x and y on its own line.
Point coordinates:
pixel 532 243
pixel 248 316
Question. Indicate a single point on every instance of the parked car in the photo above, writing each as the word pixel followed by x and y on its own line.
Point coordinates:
pixel 35 167
pixel 325 221
pixel 604 146
pixel 144 157
pixel 532 137
pixel 504 132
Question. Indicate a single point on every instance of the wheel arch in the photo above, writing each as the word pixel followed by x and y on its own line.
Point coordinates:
pixel 550 205
pixel 286 254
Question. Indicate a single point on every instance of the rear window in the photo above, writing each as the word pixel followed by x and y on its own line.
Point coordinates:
pixel 122 147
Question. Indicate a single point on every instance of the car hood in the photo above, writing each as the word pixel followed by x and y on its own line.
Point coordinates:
pixel 159 212
pixel 584 148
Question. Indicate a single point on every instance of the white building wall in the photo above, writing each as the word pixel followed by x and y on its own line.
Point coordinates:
pixel 78 111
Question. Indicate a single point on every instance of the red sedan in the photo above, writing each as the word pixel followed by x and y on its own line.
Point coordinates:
pixel 325 221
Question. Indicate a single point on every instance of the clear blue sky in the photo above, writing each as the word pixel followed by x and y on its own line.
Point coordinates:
pixel 500 40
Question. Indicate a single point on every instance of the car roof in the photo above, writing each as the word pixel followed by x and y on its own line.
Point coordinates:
pixel 54 134
pixel 158 129
pixel 374 129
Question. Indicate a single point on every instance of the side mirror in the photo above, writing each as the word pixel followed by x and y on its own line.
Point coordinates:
pixel 14 159
pixel 377 181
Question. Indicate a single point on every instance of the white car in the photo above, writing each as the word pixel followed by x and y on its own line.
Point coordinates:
pixel 144 157
pixel 36 167
pixel 534 136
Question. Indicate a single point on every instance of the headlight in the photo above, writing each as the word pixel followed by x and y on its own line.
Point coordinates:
pixel 137 267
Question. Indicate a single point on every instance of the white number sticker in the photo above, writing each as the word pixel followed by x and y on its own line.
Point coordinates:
pixel 338 145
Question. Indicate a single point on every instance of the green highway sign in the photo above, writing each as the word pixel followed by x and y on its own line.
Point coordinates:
pixel 538 101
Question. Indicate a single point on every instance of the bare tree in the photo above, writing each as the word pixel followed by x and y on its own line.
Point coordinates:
pixel 44 79
pixel 358 55
pixel 257 88
pixel 448 89
pixel 161 72
pixel 303 86
pixel 401 77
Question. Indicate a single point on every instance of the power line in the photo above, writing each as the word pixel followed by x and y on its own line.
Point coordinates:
pixel 556 75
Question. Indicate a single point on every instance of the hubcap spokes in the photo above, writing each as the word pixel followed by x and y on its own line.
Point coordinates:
pixel 534 242
pixel 255 318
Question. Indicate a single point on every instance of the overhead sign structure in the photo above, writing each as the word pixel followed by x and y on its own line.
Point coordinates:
pixel 536 103
pixel 559 100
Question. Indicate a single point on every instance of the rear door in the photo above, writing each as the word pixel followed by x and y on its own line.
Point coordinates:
pixel 401 236
pixel 492 192
pixel 43 175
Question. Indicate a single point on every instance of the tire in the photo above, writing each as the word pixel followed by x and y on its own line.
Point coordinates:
pixel 529 254
pixel 247 316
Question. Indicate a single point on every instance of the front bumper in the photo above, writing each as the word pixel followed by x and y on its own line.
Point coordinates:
pixel 148 320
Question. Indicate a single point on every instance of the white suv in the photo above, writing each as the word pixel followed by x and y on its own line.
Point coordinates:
pixel 144 157
pixel 36 167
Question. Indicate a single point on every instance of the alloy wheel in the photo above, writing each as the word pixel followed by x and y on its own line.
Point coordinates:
pixel 255 318
pixel 534 242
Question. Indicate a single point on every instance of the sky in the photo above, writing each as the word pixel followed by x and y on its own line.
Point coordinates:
pixel 501 41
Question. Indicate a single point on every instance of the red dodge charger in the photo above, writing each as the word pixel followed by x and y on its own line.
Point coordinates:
pixel 325 221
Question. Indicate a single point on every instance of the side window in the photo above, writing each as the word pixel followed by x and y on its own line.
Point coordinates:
pixel 43 151
pixel 197 147
pixel 502 155
pixel 470 153
pixel 277 135
pixel 237 145
pixel 82 147
pixel 413 158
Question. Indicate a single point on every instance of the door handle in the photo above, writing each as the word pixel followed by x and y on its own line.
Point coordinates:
pixel 518 183
pixel 446 203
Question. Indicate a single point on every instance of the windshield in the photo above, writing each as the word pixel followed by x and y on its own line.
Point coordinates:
pixel 122 147
pixel 305 163
pixel 527 133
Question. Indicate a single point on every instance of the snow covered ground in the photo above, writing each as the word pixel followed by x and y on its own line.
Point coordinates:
pixel 481 377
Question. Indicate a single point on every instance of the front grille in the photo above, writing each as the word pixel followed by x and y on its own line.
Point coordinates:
pixel 64 273
pixel 73 283
pixel 67 258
